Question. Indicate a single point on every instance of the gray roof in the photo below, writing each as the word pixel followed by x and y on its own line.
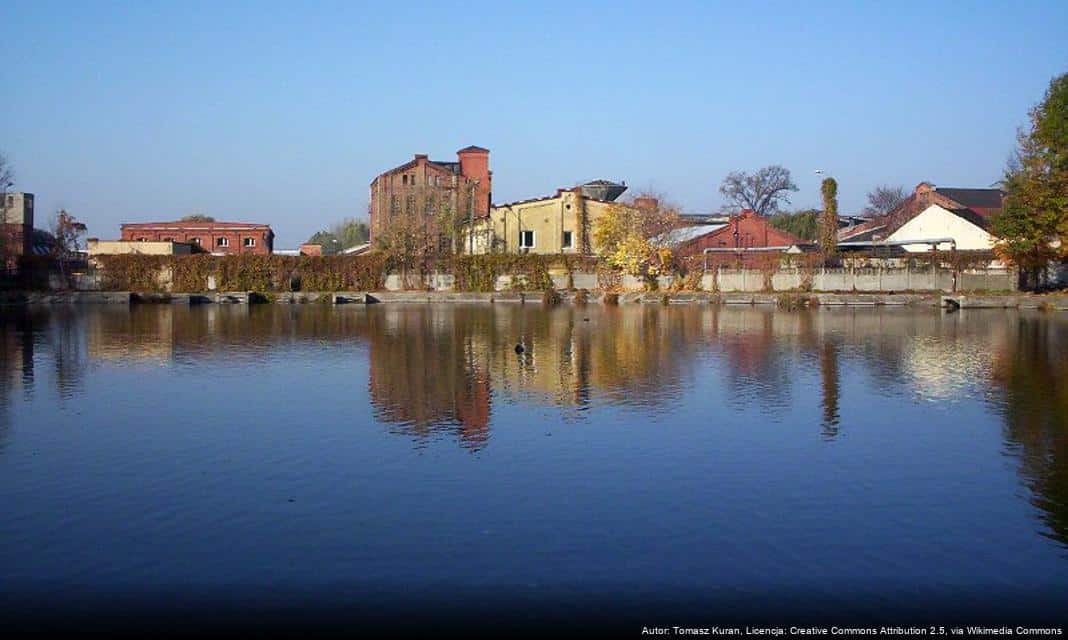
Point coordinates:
pixel 981 198
pixel 605 190
pixel 686 234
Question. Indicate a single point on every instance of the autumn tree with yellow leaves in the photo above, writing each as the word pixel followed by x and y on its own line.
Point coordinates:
pixel 635 237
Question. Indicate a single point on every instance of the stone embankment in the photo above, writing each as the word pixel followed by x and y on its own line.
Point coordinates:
pixel 789 299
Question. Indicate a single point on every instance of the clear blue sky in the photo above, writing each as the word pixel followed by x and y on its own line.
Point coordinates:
pixel 283 112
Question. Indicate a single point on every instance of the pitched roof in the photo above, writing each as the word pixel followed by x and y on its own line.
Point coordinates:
pixel 680 235
pixel 473 148
pixel 861 232
pixel 974 198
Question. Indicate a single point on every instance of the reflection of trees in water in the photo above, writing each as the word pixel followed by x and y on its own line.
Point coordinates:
pixel 829 377
pixel 1032 373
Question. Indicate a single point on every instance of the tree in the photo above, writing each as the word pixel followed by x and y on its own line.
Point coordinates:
pixel 7 175
pixel 67 231
pixel 341 235
pixel 885 198
pixel 803 224
pixel 197 217
pixel 829 219
pixel 7 179
pixel 1032 228
pixel 763 191
pixel 634 237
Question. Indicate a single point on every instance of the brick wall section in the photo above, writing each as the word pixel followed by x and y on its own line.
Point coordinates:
pixel 746 230
pixel 229 238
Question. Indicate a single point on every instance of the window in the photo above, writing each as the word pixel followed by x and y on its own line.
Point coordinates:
pixel 526 239
pixel 141 239
pixel 404 179
pixel 250 242
pixel 222 242
pixel 195 240
pixel 567 242
pixel 167 239
pixel 394 204
pixel 409 205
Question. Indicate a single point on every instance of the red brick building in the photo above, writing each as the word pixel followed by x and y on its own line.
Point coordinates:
pixel 420 189
pixel 226 238
pixel 741 232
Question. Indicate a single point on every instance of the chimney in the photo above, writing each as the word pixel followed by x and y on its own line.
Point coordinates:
pixel 646 203
pixel 474 165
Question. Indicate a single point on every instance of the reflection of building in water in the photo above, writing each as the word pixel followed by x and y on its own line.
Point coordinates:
pixel 752 342
pixel 946 361
pixel 143 333
pixel 426 374
pixel 432 368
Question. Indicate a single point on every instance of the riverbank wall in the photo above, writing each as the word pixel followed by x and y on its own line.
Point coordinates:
pixel 789 300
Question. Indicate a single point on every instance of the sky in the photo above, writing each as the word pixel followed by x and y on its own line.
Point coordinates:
pixel 283 112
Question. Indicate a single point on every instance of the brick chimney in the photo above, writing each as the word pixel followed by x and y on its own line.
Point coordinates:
pixel 646 203
pixel 474 165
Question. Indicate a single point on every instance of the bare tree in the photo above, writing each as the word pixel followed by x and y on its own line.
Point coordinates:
pixel 7 179
pixel 885 198
pixel 763 191
pixel 68 232
pixel 7 175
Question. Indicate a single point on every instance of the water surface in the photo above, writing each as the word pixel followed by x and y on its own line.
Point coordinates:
pixel 699 462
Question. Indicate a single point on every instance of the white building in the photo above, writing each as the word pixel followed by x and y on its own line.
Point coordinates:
pixel 968 230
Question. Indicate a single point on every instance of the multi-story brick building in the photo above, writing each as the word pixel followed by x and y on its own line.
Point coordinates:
pixel 422 190
pixel 225 238
pixel 16 230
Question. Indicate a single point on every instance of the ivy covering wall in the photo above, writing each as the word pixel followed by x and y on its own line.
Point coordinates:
pixel 190 274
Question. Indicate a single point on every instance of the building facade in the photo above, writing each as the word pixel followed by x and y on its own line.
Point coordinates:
pixel 16 231
pixel 741 234
pixel 931 213
pixel 558 224
pixel 220 238
pixel 429 195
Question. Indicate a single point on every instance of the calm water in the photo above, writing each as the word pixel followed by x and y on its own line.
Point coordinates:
pixel 691 462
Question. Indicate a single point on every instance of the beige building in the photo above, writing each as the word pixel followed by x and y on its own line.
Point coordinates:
pixel 127 247
pixel 561 223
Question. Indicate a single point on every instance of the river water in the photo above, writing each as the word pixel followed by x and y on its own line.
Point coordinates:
pixel 648 463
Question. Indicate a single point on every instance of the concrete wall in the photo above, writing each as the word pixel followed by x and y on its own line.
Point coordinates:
pixel 873 279
pixel 752 281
